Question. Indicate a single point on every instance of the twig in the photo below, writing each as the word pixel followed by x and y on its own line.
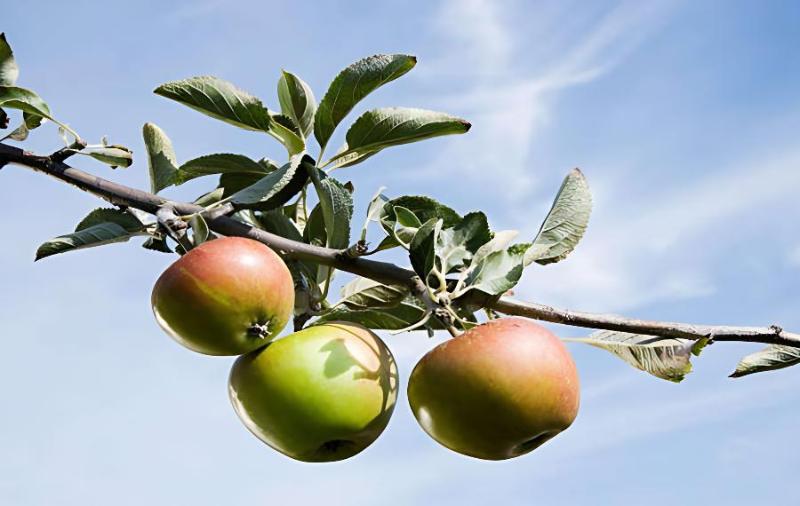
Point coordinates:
pixel 382 271
pixel 64 153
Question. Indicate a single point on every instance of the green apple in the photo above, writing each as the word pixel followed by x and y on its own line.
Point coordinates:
pixel 321 394
pixel 497 391
pixel 225 297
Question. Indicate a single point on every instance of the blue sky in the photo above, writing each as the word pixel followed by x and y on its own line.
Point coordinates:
pixel 683 116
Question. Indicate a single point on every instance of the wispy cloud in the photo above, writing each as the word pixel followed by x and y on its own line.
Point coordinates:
pixel 508 105
pixel 663 245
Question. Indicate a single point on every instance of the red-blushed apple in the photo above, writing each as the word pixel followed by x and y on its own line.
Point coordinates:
pixel 227 296
pixel 497 391
pixel 321 394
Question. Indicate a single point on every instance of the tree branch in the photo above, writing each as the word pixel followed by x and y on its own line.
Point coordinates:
pixel 121 195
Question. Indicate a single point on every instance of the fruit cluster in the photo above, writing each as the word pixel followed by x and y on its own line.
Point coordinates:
pixel 327 392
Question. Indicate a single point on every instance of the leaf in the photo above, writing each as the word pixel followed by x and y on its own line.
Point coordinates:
pixel 209 198
pixel 276 222
pixel 424 207
pixel 285 130
pixel 456 245
pixel 393 318
pixel 297 101
pixel 200 232
pixel 103 215
pixel 101 226
pixel 354 83
pixel 157 244
pixel 497 272
pixel 337 209
pixel 775 356
pixel 114 155
pixel 276 188
pixel 8 66
pixel 422 248
pixel 13 97
pixel 220 163
pixel 219 99
pixel 161 159
pixel 365 293
pixel 96 235
pixel 374 210
pixel 665 358
pixel 378 129
pixel 565 223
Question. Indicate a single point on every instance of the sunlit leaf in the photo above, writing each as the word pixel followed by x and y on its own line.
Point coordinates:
pixel 297 101
pixel 161 159
pixel 665 358
pixel 8 66
pixel 378 129
pixel 775 356
pixel 354 83
pixel 565 223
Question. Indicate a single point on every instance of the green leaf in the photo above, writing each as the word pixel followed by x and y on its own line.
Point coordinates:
pixel 12 97
pixel 297 101
pixel 664 358
pixel 374 210
pixel 565 223
pixel 455 246
pixel 219 99
pixel 337 209
pixel 378 129
pixel 276 222
pixel 774 356
pixel 424 207
pixel 392 318
pixel 100 227
pixel 161 159
pixel 365 293
pixel 200 232
pixel 285 130
pixel 159 244
pixel 422 249
pixel 105 215
pixel 482 267
pixel 497 272
pixel 96 235
pixel 8 66
pixel 277 187
pixel 114 155
pixel 211 197
pixel 314 231
pixel 354 83
pixel 220 163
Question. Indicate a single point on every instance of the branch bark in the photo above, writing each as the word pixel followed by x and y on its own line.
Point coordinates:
pixel 384 272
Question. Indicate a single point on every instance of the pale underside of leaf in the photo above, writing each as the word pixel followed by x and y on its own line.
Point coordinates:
pixel 665 358
pixel 161 159
pixel 565 223
pixel 9 71
pixel 772 357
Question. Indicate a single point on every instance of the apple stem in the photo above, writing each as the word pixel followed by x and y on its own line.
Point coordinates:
pixel 453 330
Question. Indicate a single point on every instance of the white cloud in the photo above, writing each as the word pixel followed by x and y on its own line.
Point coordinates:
pixel 660 246
pixel 794 256
pixel 509 107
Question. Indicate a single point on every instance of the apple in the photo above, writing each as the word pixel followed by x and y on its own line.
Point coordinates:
pixel 227 296
pixel 497 391
pixel 321 394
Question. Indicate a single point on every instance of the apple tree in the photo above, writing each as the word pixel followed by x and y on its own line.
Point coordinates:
pixel 260 248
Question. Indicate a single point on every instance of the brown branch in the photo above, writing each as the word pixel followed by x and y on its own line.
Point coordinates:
pixel 121 195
